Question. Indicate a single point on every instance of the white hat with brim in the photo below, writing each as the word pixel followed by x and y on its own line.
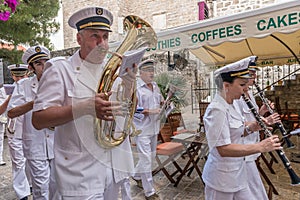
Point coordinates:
pixel 35 53
pixel 146 64
pixel 91 18
pixel 237 69
pixel 18 69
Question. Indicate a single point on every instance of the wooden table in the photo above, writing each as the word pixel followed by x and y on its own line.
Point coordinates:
pixel 196 148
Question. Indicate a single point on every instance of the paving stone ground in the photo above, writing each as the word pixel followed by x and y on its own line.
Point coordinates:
pixel 190 187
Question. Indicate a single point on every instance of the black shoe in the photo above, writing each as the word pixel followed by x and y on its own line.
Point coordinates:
pixel 25 198
pixel 138 183
pixel 2 163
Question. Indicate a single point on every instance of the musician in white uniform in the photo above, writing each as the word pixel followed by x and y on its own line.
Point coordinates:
pixel 254 181
pixel 14 133
pixel 224 173
pixel 71 103
pixel 3 120
pixel 150 98
pixel 37 144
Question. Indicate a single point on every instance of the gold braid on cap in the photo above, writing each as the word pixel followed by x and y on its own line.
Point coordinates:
pixel 31 59
pixel 240 73
pixel 90 24
pixel 18 73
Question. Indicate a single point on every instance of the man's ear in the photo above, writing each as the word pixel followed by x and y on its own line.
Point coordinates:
pixel 78 37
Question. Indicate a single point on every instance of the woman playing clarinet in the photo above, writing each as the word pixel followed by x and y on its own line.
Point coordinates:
pixel 224 173
pixel 254 181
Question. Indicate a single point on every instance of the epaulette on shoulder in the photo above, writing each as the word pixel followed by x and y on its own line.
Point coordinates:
pixel 56 59
pixel 52 61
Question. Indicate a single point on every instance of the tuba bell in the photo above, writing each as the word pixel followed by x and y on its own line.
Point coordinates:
pixel 139 34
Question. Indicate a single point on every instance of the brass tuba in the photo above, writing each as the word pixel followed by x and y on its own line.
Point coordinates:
pixel 139 34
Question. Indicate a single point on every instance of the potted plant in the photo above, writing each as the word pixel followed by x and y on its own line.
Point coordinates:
pixel 173 87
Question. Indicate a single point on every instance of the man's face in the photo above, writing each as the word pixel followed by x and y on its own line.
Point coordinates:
pixel 147 75
pixel 91 42
pixel 38 67
pixel 17 78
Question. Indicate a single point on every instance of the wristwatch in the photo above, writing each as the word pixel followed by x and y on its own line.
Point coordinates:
pixel 247 128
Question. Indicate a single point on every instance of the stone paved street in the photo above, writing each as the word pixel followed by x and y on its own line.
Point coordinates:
pixel 189 188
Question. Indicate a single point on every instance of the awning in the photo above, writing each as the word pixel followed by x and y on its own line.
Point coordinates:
pixel 272 33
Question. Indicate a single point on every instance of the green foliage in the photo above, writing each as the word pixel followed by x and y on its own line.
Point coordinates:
pixel 175 82
pixel 12 56
pixel 32 23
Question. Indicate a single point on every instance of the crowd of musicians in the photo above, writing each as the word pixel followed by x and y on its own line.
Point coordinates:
pixel 51 116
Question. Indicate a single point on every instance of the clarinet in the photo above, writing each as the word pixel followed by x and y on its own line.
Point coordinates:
pixel 279 125
pixel 294 178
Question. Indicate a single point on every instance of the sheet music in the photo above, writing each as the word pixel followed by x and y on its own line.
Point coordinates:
pixel 131 57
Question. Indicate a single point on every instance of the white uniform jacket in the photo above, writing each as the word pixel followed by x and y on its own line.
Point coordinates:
pixel 18 125
pixel 3 97
pixel 37 144
pixel 248 116
pixel 149 124
pixel 224 125
pixel 80 162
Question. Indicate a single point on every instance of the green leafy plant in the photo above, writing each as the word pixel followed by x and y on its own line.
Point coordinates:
pixel 172 82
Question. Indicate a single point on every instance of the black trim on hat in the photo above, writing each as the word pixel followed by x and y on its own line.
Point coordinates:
pixel 37 56
pixel 96 21
pixel 229 76
pixel 252 64
pixel 18 72
pixel 147 64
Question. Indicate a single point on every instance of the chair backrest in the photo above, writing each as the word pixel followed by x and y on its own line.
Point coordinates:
pixel 202 109
pixel 175 120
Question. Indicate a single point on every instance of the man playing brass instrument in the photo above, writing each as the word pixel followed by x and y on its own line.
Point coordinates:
pixel 70 102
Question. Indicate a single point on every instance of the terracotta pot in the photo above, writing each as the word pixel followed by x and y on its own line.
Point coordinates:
pixel 166 132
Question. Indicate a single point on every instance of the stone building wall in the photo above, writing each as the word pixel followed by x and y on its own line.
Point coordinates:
pixel 160 13
pixel 228 7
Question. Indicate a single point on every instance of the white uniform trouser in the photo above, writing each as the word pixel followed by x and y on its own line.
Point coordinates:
pixel 146 148
pixel 244 194
pixel 111 191
pixel 2 129
pixel 42 178
pixel 254 181
pixel 20 181
pixel 125 189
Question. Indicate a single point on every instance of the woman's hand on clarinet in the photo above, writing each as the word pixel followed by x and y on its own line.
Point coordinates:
pixel 253 126
pixel 264 108
pixel 270 144
pixel 272 119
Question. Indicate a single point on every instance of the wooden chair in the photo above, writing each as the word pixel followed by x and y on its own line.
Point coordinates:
pixel 171 150
pixel 272 188
pixel 202 109
pixel 176 122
